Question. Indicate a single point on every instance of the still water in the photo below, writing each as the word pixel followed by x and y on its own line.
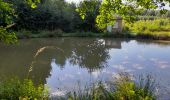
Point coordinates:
pixel 64 63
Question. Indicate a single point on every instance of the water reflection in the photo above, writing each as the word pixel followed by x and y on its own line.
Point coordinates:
pixel 91 54
pixel 84 60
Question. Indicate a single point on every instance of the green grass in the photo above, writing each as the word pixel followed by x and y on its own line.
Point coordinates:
pixel 156 29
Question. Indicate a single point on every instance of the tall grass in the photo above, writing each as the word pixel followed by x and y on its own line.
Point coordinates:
pixel 123 87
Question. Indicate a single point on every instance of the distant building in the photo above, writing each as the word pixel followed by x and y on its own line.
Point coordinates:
pixel 117 27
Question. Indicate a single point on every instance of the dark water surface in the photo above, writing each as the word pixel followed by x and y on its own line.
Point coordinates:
pixel 62 63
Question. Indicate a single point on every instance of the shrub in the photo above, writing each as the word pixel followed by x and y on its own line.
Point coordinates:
pixel 14 89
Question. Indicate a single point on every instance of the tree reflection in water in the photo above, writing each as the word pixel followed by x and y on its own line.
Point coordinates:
pixel 92 55
pixel 89 53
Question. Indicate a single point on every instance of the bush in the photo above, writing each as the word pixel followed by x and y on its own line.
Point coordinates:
pixel 14 89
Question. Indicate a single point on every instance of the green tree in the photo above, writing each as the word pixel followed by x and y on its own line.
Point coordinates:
pixel 88 11
pixel 127 9
pixel 7 13
pixel 48 15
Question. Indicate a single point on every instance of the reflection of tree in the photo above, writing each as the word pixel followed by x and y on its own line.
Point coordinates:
pixel 88 53
pixel 15 61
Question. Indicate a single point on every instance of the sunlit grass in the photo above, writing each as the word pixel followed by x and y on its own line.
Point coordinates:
pixel 158 28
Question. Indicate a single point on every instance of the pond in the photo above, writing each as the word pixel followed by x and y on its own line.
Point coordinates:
pixel 65 63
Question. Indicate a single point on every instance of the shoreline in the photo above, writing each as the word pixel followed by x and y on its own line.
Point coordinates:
pixel 124 35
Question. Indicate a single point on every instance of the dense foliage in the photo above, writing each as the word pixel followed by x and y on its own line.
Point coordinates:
pixel 89 10
pixel 126 9
pixel 7 15
pixel 49 15
pixel 61 16
pixel 14 89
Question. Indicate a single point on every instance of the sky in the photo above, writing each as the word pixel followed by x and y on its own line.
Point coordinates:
pixel 167 7
pixel 76 1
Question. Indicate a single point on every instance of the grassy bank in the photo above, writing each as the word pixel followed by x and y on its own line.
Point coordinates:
pixel 157 29
pixel 125 34
pixel 154 29
pixel 47 34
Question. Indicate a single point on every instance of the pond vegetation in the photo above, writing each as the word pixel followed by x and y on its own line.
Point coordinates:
pixel 121 88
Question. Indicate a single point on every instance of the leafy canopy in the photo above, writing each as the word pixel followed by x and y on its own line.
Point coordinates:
pixel 126 9
pixel 88 11
pixel 7 13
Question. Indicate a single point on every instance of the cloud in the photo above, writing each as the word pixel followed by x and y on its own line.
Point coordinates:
pixel 58 93
pixel 119 67
pixel 161 64
pixel 75 1
pixel 137 66
pixel 96 74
